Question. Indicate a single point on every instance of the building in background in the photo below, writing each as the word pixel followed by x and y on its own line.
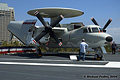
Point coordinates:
pixel 7 14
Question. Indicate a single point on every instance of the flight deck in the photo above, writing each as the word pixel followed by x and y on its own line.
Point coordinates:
pixel 58 66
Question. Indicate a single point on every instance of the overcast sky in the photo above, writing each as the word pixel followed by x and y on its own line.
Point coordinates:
pixel 101 10
pixel 115 32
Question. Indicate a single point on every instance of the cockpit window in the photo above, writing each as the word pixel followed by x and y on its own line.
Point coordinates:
pixel 95 30
pixel 92 30
pixel 85 30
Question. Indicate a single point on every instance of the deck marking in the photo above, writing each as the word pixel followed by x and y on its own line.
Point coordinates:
pixel 108 65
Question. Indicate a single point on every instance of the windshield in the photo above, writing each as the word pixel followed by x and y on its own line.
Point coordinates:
pixel 95 30
pixel 92 30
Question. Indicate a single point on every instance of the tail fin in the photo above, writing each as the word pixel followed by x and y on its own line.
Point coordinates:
pixel 20 29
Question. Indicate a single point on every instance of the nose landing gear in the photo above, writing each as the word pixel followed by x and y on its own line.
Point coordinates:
pixel 99 54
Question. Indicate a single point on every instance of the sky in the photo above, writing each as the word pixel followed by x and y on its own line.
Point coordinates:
pixel 101 10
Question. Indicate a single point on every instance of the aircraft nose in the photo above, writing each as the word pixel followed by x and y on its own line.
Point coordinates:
pixel 109 39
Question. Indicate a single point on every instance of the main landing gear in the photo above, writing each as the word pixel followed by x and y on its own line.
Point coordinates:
pixel 39 53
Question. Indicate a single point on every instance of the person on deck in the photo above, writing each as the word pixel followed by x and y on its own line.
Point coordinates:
pixel 83 47
pixel 114 46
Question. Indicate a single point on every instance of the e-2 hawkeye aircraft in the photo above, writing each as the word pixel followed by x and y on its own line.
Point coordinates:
pixel 56 35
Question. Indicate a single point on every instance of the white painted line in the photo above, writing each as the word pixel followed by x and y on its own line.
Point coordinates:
pixel 109 65
pixel 33 59
pixel 113 64
pixel 47 60
pixel 73 57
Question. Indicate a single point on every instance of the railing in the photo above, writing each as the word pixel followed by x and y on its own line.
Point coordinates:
pixel 18 49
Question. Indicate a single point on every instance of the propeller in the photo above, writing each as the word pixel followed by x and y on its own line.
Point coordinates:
pixel 106 25
pixel 94 21
pixel 109 21
pixel 48 28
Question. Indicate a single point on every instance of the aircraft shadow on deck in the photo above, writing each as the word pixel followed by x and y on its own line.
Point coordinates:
pixel 53 55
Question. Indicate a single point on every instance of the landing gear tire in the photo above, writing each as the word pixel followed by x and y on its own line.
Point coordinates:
pixel 98 56
pixel 39 52
pixel 95 56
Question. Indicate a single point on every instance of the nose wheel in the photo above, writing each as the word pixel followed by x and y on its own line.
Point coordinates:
pixel 98 56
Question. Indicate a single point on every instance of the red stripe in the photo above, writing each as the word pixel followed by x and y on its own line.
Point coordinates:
pixel 36 12
pixel 110 19
pixel 62 16
pixel 92 18
pixel 60 43
pixel 20 51
pixel 29 23
pixel 17 51
pixel 34 41
pixel 3 52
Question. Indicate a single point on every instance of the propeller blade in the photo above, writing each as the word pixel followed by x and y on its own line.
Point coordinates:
pixel 48 28
pixel 109 21
pixel 57 21
pixel 40 18
pixel 52 34
pixel 94 21
pixel 43 33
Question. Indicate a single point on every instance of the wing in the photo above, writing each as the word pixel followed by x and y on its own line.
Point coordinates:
pixel 20 29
